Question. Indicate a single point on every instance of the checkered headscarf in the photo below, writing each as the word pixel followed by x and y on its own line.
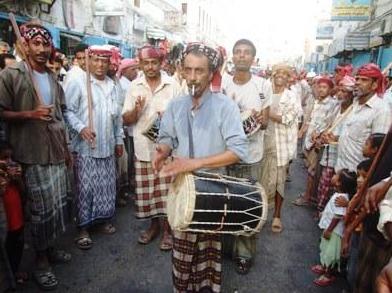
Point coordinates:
pixel 30 32
pixel 210 53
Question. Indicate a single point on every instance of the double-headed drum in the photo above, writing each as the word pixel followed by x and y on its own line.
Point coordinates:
pixel 213 203
pixel 151 128
pixel 249 123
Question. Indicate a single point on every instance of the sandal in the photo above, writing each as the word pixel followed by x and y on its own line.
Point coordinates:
pixel 59 256
pixel 318 269
pixel 147 236
pixel 21 278
pixel 166 242
pixel 45 280
pixel 300 201
pixel 324 281
pixel 107 229
pixel 242 265
pixel 84 242
pixel 277 225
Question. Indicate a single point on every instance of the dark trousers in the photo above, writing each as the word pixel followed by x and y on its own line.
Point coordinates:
pixel 129 147
pixel 14 248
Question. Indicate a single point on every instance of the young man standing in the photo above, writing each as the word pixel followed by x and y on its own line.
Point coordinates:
pixel 37 136
pixel 149 95
pixel 251 93
pixel 324 111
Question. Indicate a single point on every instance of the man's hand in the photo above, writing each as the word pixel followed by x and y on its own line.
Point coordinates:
pixel 42 112
pixel 329 137
pixel 118 150
pixel 160 156
pixel 87 135
pixel 139 104
pixel 180 165
pixel 341 202
pixel 327 234
pixel 261 118
pixel 384 279
pixel 375 194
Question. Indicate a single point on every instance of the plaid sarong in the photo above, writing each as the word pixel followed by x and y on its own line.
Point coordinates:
pixel 197 262
pixel 151 191
pixel 324 187
pixel 46 187
pixel 96 189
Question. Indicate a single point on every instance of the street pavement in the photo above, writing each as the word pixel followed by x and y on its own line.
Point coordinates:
pixel 117 263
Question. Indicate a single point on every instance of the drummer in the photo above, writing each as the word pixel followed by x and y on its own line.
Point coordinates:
pixel 253 94
pixel 214 120
pixel 149 95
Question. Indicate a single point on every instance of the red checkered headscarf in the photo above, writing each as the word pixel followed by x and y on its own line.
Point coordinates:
pixel 348 82
pixel 326 80
pixel 148 51
pixel 371 70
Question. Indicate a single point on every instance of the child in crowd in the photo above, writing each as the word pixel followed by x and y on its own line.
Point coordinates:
pixel 352 254
pixel 372 144
pixel 331 222
pixel 14 212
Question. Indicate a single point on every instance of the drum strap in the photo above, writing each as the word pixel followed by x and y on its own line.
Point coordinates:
pixel 190 137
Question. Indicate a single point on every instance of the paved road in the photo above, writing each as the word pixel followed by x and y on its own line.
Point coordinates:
pixel 118 264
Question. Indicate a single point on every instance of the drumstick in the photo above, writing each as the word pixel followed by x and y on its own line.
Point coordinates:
pixel 89 97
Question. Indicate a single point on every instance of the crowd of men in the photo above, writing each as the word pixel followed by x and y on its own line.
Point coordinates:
pixel 77 131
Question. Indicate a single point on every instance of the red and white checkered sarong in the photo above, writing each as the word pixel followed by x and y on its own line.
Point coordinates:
pixel 196 262
pixel 324 187
pixel 151 191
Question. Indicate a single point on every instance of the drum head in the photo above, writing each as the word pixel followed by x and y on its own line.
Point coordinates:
pixel 181 201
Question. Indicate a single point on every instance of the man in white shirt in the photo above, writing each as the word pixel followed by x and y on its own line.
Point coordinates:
pixel 79 70
pixel 253 94
pixel 370 114
pixel 149 95
pixel 127 72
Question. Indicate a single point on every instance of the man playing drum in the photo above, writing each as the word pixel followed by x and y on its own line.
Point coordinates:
pixel 204 130
pixel 251 93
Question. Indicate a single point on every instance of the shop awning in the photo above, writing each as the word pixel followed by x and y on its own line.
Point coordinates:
pixel 356 41
pixel 156 34
pixel 350 42
pixel 70 36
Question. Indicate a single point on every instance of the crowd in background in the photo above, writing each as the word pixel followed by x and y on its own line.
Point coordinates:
pixel 58 148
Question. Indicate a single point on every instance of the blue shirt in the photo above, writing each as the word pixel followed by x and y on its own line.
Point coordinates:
pixel 42 80
pixel 216 126
pixel 107 119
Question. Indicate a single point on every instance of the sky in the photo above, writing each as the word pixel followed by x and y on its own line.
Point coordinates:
pixel 277 27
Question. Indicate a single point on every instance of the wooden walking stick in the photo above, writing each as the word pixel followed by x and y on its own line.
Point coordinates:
pixel 21 50
pixel 89 97
pixel 358 205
